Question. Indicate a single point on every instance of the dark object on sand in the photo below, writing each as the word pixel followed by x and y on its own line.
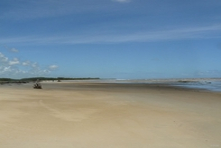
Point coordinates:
pixel 37 85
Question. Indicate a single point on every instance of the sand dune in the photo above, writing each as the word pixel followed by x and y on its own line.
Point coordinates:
pixel 98 115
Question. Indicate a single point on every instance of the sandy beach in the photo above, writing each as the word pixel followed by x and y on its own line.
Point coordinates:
pixel 102 115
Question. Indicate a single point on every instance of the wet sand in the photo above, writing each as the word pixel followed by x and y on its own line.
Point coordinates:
pixel 102 115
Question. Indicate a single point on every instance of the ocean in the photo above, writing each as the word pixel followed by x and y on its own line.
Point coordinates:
pixel 211 84
pixel 214 85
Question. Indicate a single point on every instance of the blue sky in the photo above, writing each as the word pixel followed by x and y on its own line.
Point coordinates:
pixel 125 39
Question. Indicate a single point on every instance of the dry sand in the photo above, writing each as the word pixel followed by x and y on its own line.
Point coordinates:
pixel 96 115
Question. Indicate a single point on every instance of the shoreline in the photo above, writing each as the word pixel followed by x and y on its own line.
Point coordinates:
pixel 194 85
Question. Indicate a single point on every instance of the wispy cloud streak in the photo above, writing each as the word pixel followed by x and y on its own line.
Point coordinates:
pixel 145 36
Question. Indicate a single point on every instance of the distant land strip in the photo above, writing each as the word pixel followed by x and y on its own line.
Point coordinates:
pixel 33 79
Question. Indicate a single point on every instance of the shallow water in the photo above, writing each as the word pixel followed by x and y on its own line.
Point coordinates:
pixel 207 85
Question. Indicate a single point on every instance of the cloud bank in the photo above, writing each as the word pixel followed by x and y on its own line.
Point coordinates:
pixel 15 68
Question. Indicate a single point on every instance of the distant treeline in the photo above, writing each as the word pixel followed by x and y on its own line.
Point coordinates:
pixel 9 80
pixel 25 80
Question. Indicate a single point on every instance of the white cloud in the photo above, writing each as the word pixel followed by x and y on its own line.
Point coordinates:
pixel 16 68
pixel 26 63
pixel 53 67
pixel 15 61
pixel 3 58
pixel 13 50
pixel 34 65
pixel 7 69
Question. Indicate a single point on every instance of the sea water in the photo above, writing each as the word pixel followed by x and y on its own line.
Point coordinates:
pixel 206 85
